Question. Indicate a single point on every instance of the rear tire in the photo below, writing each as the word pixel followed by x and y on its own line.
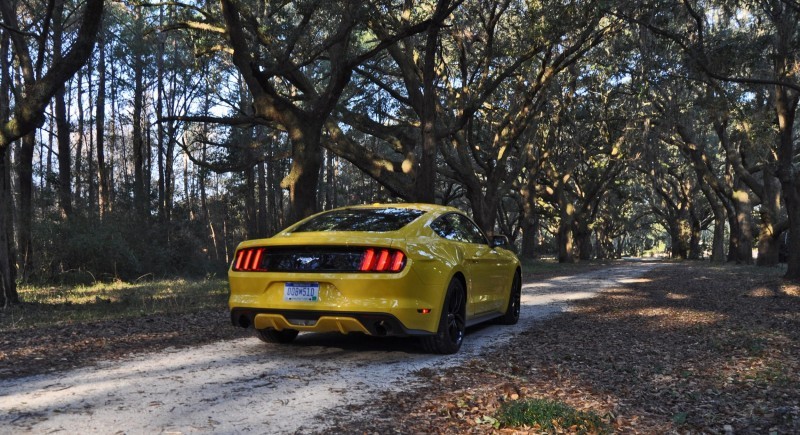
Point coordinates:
pixel 270 335
pixel 452 322
pixel 511 317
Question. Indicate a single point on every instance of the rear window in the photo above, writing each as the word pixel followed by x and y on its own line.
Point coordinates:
pixel 373 219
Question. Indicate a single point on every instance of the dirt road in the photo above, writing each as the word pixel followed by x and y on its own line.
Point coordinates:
pixel 248 386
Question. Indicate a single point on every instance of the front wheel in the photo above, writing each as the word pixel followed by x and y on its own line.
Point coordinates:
pixel 270 335
pixel 452 322
pixel 511 317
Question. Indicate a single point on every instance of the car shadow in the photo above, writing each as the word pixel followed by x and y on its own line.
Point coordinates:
pixel 358 342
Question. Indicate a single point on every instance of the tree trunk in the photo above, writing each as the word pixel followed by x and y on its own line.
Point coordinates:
pixel 64 156
pixel 743 246
pixel 62 124
pixel 786 107
pixel 768 234
pixel 330 181
pixel 261 224
pixel 425 183
pixel 79 148
pixel 484 210
pixel 8 272
pixel 91 186
pixel 530 221
pixel 718 208
pixel 102 170
pixel 793 207
pixel 304 174
pixel 160 135
pixel 583 238
pixel 695 251
pixel 565 241
pixel 273 188
pixel 251 215
pixel 140 201
pixel 25 210
pixel 679 234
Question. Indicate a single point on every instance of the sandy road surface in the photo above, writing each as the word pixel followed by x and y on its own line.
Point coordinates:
pixel 248 386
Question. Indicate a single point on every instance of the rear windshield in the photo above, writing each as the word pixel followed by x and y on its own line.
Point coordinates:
pixel 372 219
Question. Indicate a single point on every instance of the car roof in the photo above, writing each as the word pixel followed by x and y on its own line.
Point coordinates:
pixel 411 205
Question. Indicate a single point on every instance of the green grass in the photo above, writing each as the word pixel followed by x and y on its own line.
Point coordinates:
pixel 50 305
pixel 550 416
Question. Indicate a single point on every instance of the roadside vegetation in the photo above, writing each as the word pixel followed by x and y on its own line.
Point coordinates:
pixel 44 306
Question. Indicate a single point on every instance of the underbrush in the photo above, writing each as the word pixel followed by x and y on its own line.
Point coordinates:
pixel 51 305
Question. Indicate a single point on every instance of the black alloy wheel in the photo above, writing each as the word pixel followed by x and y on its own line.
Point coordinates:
pixel 452 322
pixel 511 316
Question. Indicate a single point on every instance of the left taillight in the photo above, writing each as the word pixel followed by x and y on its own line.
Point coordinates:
pixel 249 260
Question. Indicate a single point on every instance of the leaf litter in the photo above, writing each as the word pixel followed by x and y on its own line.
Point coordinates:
pixel 689 349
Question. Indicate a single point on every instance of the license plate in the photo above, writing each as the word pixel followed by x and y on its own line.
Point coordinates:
pixel 301 291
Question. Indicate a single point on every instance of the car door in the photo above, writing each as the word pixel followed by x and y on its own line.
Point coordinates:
pixel 482 260
pixel 451 228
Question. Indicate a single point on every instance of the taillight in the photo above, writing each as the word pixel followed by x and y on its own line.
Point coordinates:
pixel 382 260
pixel 249 259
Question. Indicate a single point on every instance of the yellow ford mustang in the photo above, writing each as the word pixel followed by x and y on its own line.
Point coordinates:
pixel 385 269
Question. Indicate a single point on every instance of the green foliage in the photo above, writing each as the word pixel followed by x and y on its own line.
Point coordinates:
pixel 85 250
pixel 550 416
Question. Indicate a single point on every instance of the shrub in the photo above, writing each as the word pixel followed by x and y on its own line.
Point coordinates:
pixel 550 416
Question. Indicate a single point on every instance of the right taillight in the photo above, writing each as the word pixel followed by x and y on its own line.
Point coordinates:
pixel 382 260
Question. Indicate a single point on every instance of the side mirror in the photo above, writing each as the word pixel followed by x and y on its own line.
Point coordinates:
pixel 499 242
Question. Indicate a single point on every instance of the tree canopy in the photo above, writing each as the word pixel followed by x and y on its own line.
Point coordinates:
pixel 151 137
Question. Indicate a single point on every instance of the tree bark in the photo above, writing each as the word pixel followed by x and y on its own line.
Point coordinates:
pixel 8 271
pixel 81 140
pixel 62 123
pixel 680 233
pixel 695 252
pixel 786 108
pixel 425 183
pixel 102 171
pixel 717 207
pixel 530 220
pixel 304 174
pixel 583 238
pixel 741 236
pixel 25 210
pixel 565 234
pixel 769 228
pixel 140 200
pixel 250 212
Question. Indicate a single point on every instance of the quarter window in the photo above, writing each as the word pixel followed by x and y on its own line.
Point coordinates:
pixel 459 228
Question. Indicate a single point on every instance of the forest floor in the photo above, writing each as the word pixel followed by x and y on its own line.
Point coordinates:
pixel 689 347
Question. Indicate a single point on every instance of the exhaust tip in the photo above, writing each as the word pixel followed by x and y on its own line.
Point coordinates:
pixel 382 328
pixel 243 320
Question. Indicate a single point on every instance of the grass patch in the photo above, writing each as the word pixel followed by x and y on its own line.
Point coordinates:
pixel 46 306
pixel 550 416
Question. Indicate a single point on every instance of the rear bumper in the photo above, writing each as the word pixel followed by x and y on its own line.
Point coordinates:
pixel 346 302
pixel 378 324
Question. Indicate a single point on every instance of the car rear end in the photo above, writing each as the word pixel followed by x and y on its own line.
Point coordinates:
pixel 325 281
